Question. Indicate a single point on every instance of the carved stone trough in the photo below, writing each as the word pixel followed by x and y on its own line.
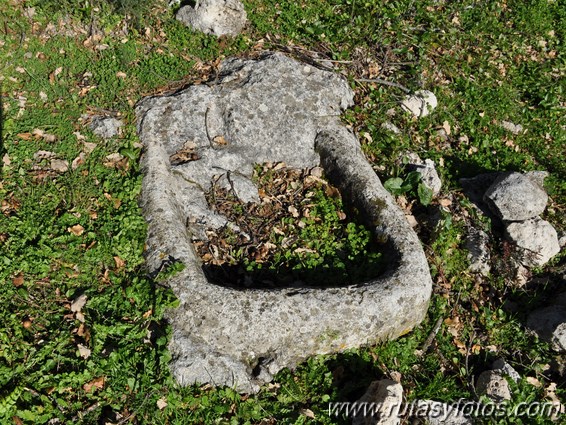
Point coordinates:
pixel 272 108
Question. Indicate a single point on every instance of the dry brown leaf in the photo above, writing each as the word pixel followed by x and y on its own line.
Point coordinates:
pixel 78 161
pixel 18 280
pixel 113 160
pixel 293 211
pixel 84 351
pixel 25 136
pixel 96 384
pixel 308 413
pixel 220 141
pixel 161 403
pixel 186 154
pixel 119 262
pixel 76 230
pixel 534 382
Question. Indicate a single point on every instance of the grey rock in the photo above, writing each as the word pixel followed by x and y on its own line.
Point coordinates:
pixel 426 169
pixel 516 196
pixel 105 127
pixel 383 400
pixel 549 323
pixel 562 241
pixel 493 384
pixel 217 17
pixel 511 127
pixel 537 238
pixel 477 245
pixel 389 126
pixel 438 413
pixel 506 369
pixel 420 104
pixel 269 109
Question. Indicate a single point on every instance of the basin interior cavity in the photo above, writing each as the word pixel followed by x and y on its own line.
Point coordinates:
pixel 300 232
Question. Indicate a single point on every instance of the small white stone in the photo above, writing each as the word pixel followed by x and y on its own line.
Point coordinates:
pixel 492 384
pixel 511 127
pixel 420 104
pixel 537 237
pixel 389 126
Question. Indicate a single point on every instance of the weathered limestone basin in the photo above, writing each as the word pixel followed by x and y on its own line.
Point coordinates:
pixel 268 109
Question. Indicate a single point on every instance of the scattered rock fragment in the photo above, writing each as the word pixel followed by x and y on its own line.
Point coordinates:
pixel 383 399
pixel 389 126
pixel 506 369
pixel 516 197
pixel 217 17
pixel 105 127
pixel 59 165
pixel 420 104
pixel 549 323
pixel 511 127
pixel 477 245
pixel 537 238
pixel 493 384
pixel 427 170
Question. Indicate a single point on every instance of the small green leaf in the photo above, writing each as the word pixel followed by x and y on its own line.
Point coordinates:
pixel 424 193
pixel 394 185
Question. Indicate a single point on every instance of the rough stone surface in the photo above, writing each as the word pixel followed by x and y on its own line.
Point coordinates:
pixel 477 245
pixel 269 109
pixel 442 413
pixel 426 169
pixel 420 104
pixel 537 238
pixel 106 127
pixel 550 325
pixel 429 175
pixel 384 400
pixel 517 196
pixel 217 17
pixel 506 369
pixel 493 384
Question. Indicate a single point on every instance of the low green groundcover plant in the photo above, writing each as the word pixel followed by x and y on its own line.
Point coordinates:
pixel 298 233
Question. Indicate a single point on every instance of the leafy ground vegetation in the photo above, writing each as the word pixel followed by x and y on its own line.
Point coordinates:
pixel 297 232
pixel 82 338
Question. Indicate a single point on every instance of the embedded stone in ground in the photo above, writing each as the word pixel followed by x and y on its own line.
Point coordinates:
pixel 217 17
pixel 269 109
pixel 536 238
pixel 517 196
